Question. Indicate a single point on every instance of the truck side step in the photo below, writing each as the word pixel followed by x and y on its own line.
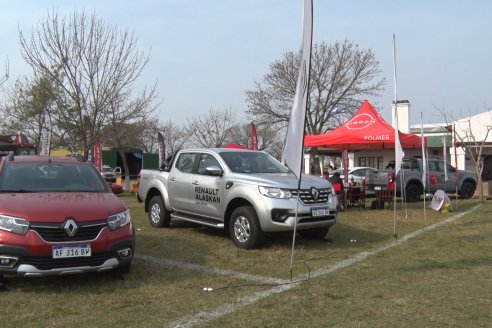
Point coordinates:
pixel 198 219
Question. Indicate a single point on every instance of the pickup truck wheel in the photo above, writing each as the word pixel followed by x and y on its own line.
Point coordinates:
pixel 158 215
pixel 467 190
pixel 317 233
pixel 244 228
pixel 412 193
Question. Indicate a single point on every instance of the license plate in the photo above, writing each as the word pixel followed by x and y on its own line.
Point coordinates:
pixel 377 187
pixel 320 211
pixel 61 252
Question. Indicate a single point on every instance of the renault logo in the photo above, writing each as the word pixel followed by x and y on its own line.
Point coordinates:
pixel 315 193
pixel 70 227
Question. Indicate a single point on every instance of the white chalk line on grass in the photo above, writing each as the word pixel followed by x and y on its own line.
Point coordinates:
pixel 210 270
pixel 202 317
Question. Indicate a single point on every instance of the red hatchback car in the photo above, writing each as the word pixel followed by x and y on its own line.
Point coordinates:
pixel 58 216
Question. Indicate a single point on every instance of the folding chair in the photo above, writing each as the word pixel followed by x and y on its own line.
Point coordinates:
pixel 355 197
pixel 387 195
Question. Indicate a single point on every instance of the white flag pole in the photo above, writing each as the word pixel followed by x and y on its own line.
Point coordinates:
pixel 445 157
pixel 424 162
pixel 293 151
pixel 456 174
pixel 398 149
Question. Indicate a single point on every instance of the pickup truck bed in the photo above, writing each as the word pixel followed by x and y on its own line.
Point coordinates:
pixel 439 175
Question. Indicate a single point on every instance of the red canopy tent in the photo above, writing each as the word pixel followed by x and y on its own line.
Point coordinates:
pixel 365 130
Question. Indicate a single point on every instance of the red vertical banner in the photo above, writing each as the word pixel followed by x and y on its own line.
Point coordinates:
pixel 98 155
pixel 254 138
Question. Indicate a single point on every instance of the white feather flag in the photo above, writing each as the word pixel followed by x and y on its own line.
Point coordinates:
pixel 292 153
pixel 46 135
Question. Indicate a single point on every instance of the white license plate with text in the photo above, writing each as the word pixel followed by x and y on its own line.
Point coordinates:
pixel 320 211
pixel 61 252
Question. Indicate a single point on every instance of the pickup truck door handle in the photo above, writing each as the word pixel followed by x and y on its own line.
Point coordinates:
pixel 172 179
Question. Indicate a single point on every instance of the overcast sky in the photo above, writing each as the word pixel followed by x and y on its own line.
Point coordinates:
pixel 207 53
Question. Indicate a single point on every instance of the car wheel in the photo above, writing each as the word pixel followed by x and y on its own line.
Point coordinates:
pixel 244 228
pixel 412 193
pixel 318 233
pixel 158 215
pixel 467 190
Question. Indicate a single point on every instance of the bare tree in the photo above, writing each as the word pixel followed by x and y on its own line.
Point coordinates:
pixel 133 115
pixel 266 136
pixel 4 78
pixel 342 75
pixel 95 67
pixel 174 135
pixel 471 135
pixel 212 130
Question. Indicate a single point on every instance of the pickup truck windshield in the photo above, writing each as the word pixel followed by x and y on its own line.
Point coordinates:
pixel 252 162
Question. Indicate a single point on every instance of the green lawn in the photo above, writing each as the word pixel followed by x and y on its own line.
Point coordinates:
pixel 441 278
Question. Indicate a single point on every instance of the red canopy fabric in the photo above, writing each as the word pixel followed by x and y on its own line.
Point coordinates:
pixel 365 130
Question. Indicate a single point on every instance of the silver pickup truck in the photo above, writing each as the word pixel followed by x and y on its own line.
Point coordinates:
pixel 248 193
pixel 411 173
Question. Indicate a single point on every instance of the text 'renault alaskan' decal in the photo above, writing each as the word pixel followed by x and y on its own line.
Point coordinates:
pixel 363 121
pixel 210 195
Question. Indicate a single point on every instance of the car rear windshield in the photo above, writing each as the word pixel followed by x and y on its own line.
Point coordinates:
pixel 52 177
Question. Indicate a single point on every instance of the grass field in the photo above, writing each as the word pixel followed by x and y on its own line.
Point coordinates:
pixel 360 277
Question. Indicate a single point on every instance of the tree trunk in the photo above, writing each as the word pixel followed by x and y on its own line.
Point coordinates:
pixel 479 182
pixel 126 170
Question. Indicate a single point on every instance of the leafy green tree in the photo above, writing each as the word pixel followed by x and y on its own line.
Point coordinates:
pixel 26 102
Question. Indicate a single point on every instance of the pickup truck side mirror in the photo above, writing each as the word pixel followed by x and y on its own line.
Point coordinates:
pixel 165 167
pixel 214 171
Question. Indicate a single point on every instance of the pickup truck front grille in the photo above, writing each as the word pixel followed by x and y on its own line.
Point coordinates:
pixel 313 195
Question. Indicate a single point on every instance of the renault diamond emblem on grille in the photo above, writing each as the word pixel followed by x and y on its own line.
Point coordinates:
pixel 315 193
pixel 70 227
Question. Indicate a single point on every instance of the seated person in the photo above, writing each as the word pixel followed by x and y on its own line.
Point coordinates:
pixel 335 178
pixel 337 183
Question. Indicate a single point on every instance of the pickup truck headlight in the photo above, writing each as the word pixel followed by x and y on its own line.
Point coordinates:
pixel 119 220
pixel 13 224
pixel 274 192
